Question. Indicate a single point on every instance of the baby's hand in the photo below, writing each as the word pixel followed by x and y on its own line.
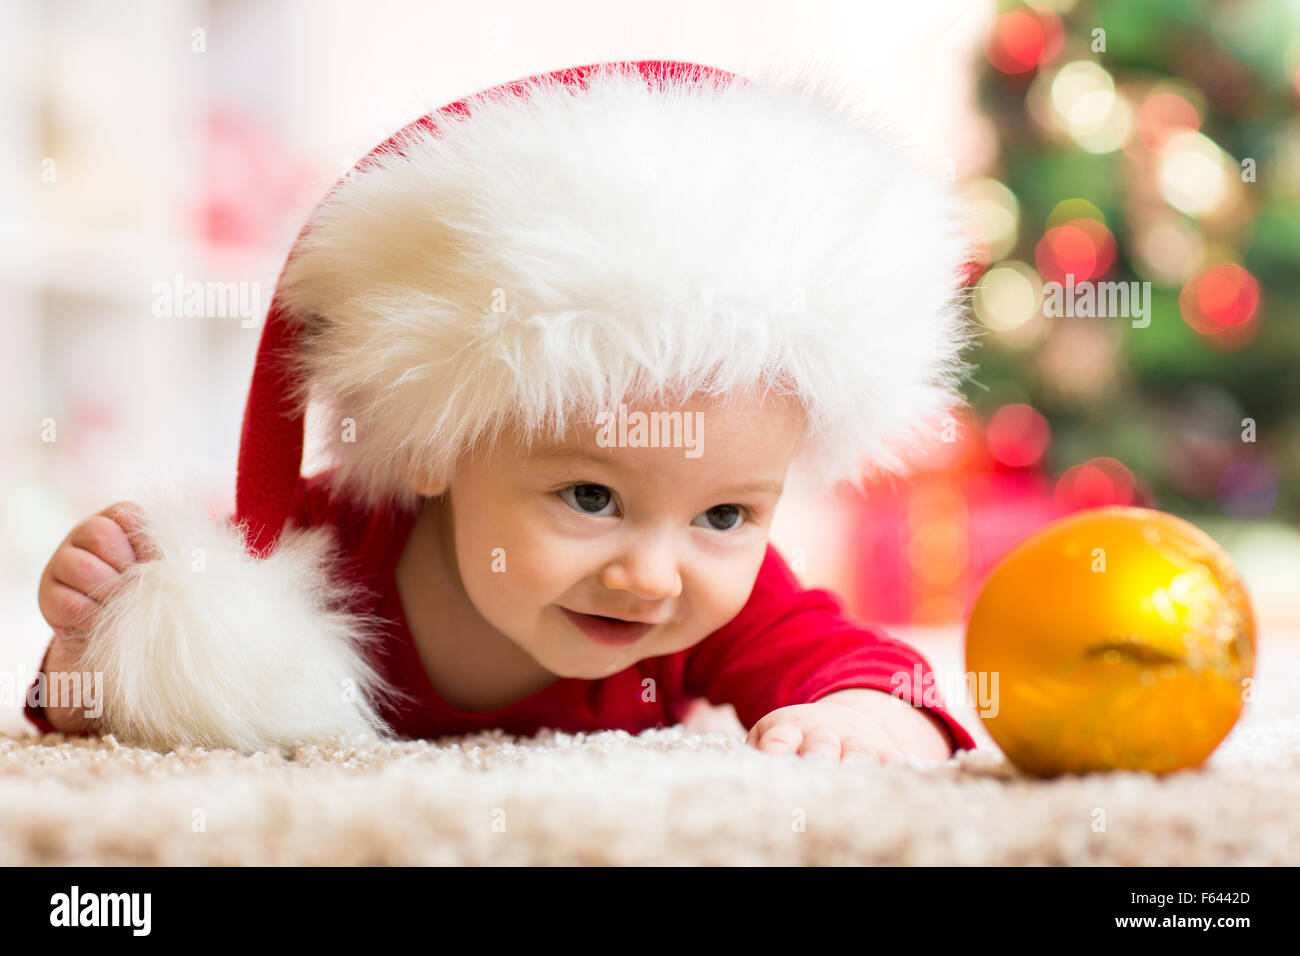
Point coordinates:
pixel 82 574
pixel 87 566
pixel 856 722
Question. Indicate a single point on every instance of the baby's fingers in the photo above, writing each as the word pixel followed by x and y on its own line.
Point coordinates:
pixel 66 609
pixel 78 570
pixel 821 743
pixel 777 738
pixel 877 746
pixel 102 538
pixel 129 520
pixel 855 748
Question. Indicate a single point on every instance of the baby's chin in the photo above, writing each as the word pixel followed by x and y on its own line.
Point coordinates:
pixel 595 661
pixel 595 665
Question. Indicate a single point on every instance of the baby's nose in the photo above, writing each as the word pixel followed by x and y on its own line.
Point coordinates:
pixel 649 576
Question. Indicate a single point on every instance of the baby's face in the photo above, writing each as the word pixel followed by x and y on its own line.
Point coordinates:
pixel 640 533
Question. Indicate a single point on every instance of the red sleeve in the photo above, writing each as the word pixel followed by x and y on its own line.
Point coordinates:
pixel 792 646
pixel 32 709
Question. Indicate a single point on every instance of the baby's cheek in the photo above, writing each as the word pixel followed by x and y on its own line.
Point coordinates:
pixel 492 566
pixel 718 601
pixel 538 567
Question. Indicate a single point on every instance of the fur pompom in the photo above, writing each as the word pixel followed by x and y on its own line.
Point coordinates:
pixel 206 646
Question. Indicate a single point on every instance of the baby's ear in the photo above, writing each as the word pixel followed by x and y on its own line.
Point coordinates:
pixel 418 481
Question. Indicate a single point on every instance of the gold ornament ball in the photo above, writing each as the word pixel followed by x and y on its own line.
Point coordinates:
pixel 1115 638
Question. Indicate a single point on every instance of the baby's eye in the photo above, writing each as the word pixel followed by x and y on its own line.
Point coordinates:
pixel 722 517
pixel 588 499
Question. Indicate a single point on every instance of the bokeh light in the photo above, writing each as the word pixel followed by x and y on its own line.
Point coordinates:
pixel 1007 296
pixel 1247 490
pixel 1083 94
pixel 937 551
pixel 1079 360
pixel 994 217
pixel 1080 102
pixel 1169 250
pixel 1291 64
pixel 1095 484
pixel 1193 173
pixel 1221 301
pixel 1067 210
pixel 1082 248
pixel 1024 38
pixel 1017 435
pixel 1165 111
pixel 1111 132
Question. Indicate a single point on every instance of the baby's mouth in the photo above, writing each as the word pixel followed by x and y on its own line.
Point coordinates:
pixel 608 630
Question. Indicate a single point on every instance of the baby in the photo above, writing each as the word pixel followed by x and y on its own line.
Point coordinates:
pixel 470 305
pixel 644 535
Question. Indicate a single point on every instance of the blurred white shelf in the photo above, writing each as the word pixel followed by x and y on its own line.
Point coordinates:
pixel 121 266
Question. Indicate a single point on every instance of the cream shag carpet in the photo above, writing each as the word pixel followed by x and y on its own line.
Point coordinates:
pixel 668 797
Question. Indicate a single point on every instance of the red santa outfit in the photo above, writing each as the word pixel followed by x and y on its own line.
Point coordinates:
pixel 529 257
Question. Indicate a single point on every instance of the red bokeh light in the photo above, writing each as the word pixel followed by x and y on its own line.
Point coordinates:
pixel 1083 248
pixel 959 444
pixel 1017 435
pixel 1095 484
pixel 1222 303
pixel 1024 38
pixel 1163 114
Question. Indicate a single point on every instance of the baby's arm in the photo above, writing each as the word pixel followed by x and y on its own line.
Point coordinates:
pixel 797 669
pixel 82 574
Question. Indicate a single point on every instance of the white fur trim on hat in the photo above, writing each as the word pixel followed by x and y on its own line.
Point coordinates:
pixel 549 256
pixel 206 646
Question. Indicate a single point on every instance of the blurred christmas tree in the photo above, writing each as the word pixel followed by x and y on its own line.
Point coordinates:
pixel 1139 275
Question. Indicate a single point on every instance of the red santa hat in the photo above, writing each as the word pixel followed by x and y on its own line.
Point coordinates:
pixel 528 256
